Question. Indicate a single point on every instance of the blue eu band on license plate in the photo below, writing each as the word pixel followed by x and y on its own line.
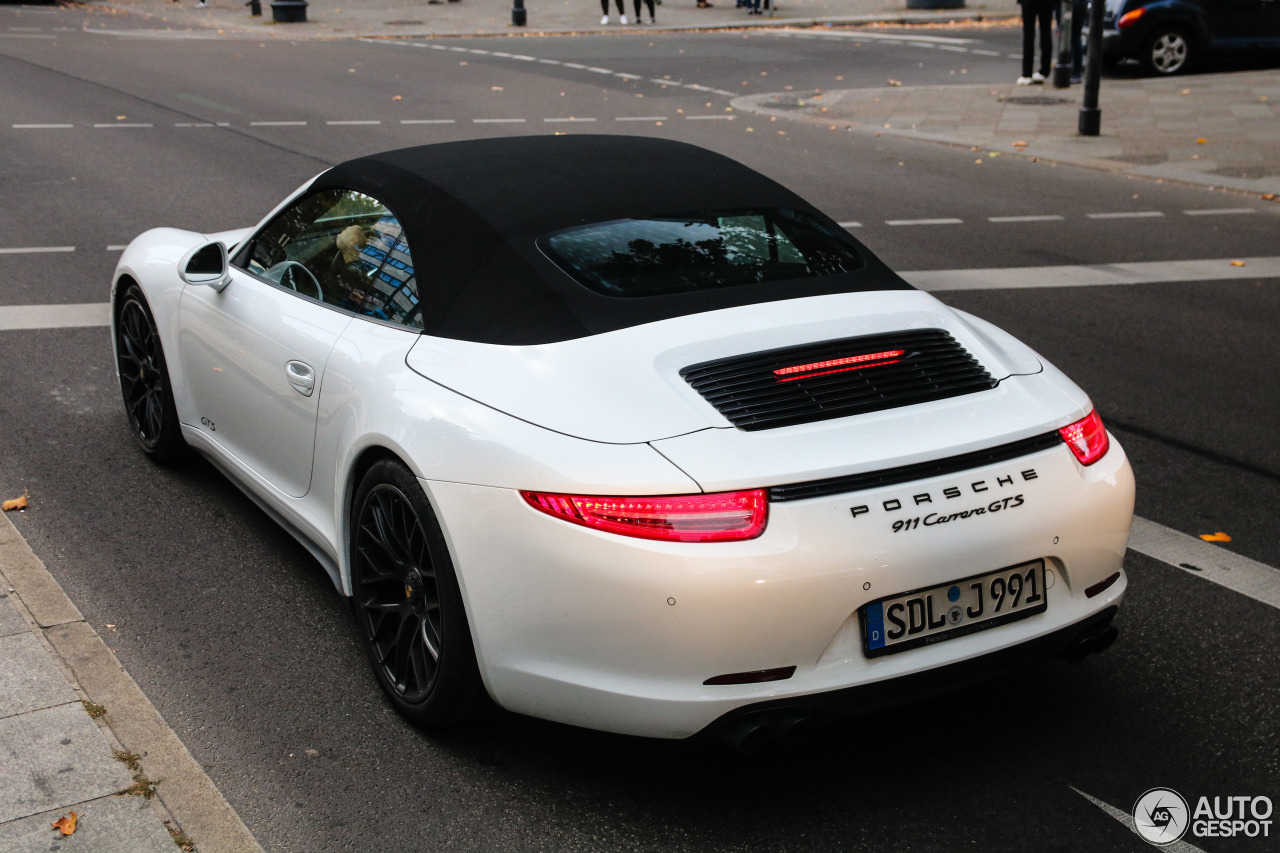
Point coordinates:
pixel 944 612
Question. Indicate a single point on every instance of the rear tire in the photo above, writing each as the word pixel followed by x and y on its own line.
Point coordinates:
pixel 407 602
pixel 144 380
pixel 1167 51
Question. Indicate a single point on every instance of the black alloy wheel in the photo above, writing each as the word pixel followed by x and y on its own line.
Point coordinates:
pixel 407 603
pixel 144 380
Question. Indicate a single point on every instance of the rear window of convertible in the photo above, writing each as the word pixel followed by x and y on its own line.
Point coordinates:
pixel 660 255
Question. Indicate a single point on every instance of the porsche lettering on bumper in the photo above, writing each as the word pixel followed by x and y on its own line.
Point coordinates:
pixel 1001 482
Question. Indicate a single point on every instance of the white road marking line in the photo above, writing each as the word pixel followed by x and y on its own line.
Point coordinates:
pixel 573 65
pixel 551 62
pixel 626 76
pixel 1220 211
pixel 664 82
pixel 1045 218
pixel 978 52
pixel 194 124
pixel 25 36
pixel 459 50
pixel 119 247
pixel 568 120
pixel 924 44
pixel 497 121
pixel 924 222
pixel 34 250
pixel 710 118
pixel 1150 272
pixel 840 34
pixel 367 121
pixel 641 118
pixel 1128 214
pixel 849 224
pixel 475 50
pixel 1216 565
pixel 25 29
pixel 427 121
pixel 277 124
pixel 1013 56
pixel 127 124
pixel 40 126
pixel 1127 820
pixel 18 317
pixel 953 49
pixel 523 58
pixel 601 70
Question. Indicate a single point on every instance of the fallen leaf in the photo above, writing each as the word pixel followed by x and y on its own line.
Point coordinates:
pixel 1021 143
pixel 893 82
pixel 66 825
pixel 1237 263
pixel 1202 141
pixel 1269 196
pixel 1215 537
pixel 121 118
pixel 495 88
pixel 977 162
pixel 20 502
pixel 993 153
pixel 974 148
pixel 397 98
pixel 1186 92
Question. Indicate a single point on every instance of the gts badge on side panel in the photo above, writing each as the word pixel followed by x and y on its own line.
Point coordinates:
pixel 977 487
pixel 209 424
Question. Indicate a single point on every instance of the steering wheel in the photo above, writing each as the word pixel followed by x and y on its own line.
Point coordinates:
pixel 286 274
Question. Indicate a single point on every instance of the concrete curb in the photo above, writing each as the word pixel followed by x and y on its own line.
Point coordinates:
pixel 188 797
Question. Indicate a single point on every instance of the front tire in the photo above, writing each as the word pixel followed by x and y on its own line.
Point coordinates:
pixel 407 602
pixel 144 380
pixel 1168 51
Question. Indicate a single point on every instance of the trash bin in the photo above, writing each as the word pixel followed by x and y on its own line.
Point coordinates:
pixel 935 4
pixel 290 11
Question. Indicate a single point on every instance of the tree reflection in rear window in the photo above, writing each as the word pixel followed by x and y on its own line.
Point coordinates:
pixel 700 251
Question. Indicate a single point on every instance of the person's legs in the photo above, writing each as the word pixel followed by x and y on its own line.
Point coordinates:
pixel 1028 37
pixel 1045 13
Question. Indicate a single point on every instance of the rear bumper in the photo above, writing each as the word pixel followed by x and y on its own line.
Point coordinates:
pixel 620 634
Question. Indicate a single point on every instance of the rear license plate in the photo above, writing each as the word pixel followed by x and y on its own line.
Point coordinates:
pixel 950 610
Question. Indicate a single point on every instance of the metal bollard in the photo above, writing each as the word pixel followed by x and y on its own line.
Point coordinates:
pixel 1062 65
pixel 255 8
pixel 517 14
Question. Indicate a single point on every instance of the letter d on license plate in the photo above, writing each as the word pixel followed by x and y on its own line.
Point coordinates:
pixel 938 613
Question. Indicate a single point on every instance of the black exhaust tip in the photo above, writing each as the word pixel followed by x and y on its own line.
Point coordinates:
pixel 1096 639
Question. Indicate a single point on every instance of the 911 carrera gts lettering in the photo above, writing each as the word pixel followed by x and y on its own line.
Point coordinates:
pixel 933 519
pixel 950 493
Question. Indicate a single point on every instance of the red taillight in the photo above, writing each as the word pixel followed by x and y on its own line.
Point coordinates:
pixel 719 517
pixel 1130 18
pixel 837 365
pixel 1087 438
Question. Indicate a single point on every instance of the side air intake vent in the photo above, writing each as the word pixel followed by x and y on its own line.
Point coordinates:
pixel 835 379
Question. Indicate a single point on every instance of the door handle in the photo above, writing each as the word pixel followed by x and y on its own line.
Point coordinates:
pixel 301 377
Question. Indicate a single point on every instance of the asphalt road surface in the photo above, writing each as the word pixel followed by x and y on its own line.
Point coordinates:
pixel 239 640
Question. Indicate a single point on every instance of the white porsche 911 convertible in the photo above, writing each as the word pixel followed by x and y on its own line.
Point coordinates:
pixel 618 432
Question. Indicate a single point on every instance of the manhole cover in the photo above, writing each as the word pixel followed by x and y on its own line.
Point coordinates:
pixel 1036 101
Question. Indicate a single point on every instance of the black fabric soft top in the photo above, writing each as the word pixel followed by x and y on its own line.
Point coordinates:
pixel 473 210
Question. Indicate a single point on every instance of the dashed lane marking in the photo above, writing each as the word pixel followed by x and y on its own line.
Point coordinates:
pixel 355 122
pixel 40 126
pixel 640 118
pixel 939 221
pixel 497 121
pixel 1149 272
pixel 428 121
pixel 1128 214
pixel 1220 211
pixel 1210 562
pixel 1016 219
pixel 844 35
pixel 126 124
pixel 35 250
pixel 569 120
pixel 277 124
pixel 849 224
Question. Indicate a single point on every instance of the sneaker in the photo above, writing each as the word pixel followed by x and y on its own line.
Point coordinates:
pixel 604 20
pixel 651 20
pixel 1076 78
pixel 1024 81
pixel 1037 78
pixel 622 19
pixel 201 4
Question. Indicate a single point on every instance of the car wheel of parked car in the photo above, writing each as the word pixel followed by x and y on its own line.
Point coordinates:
pixel 407 601
pixel 1168 51
pixel 144 380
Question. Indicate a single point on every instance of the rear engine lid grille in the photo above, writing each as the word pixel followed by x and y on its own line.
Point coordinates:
pixel 836 379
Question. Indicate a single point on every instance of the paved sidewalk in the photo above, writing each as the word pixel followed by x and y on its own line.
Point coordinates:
pixel 76 734
pixel 1220 130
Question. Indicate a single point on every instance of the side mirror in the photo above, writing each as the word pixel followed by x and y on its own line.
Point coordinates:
pixel 207 265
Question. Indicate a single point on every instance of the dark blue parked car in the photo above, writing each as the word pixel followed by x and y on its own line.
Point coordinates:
pixel 1167 36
